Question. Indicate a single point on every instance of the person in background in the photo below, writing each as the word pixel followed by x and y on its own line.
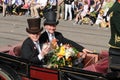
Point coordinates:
pixel 68 9
pixel 32 4
pixel 40 5
pixel 107 4
pixel 60 9
pixel 50 33
pixel 18 5
pixel 53 4
pixel 77 6
pixel 97 8
pixel 83 10
pixel 32 49
pixel 7 6
pixel 114 42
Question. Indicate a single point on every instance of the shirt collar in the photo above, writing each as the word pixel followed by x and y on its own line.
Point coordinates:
pixel 50 33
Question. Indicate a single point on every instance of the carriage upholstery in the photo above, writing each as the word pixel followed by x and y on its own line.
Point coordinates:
pixel 15 51
pixel 101 66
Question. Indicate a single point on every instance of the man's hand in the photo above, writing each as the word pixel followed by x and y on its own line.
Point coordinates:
pixel 46 48
pixel 87 51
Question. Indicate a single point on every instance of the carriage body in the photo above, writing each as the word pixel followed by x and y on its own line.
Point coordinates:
pixel 11 65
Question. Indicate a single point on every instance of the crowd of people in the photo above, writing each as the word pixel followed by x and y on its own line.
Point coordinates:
pixel 93 12
pixel 81 11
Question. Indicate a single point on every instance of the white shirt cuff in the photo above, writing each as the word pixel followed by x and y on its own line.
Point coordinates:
pixel 40 57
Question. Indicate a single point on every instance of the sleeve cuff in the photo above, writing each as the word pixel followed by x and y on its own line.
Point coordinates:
pixel 40 57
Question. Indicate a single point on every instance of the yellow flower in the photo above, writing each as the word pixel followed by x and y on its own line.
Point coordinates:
pixel 63 55
pixel 62 51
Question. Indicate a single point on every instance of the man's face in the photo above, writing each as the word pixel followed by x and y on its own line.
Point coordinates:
pixel 50 28
pixel 34 37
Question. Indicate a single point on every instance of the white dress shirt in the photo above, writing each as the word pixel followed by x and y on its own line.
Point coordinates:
pixel 50 36
pixel 39 50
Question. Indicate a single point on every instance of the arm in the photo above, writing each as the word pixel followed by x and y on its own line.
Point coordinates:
pixel 112 8
pixel 80 48
pixel 63 40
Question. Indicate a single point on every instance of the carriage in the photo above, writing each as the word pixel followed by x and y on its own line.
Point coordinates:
pixel 12 67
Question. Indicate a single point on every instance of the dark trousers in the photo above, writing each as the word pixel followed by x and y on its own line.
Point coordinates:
pixel 114 59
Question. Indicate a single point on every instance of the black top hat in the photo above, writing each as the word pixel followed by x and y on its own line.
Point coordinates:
pixel 50 17
pixel 34 25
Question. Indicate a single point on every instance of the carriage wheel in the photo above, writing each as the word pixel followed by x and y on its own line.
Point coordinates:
pixel 4 76
pixel 7 73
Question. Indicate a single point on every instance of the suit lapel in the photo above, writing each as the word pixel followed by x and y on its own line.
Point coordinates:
pixel 34 47
pixel 47 37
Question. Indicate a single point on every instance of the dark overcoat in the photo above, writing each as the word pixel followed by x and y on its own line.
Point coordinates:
pixel 115 25
pixel 30 52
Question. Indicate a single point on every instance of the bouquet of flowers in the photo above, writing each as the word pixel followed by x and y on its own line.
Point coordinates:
pixel 63 55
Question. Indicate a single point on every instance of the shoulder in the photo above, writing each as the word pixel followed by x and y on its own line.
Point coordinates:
pixel 27 44
pixel 44 34
pixel 44 37
pixel 58 33
pixel 27 41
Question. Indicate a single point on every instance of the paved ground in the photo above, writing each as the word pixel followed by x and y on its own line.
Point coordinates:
pixel 12 31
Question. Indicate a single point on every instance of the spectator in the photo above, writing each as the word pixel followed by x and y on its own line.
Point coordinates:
pixel 107 4
pixel 97 7
pixel 32 4
pixel 82 12
pixel 60 9
pixel 53 4
pixel 18 4
pixel 40 4
pixel 7 6
pixel 77 6
pixel 100 19
pixel 68 9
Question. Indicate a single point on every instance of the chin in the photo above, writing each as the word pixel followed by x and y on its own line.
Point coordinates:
pixel 51 32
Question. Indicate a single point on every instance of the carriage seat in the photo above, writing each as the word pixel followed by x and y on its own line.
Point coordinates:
pixel 89 59
pixel 101 66
pixel 15 51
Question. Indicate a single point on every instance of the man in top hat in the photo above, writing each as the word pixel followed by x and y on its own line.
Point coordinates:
pixel 50 32
pixel 31 47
